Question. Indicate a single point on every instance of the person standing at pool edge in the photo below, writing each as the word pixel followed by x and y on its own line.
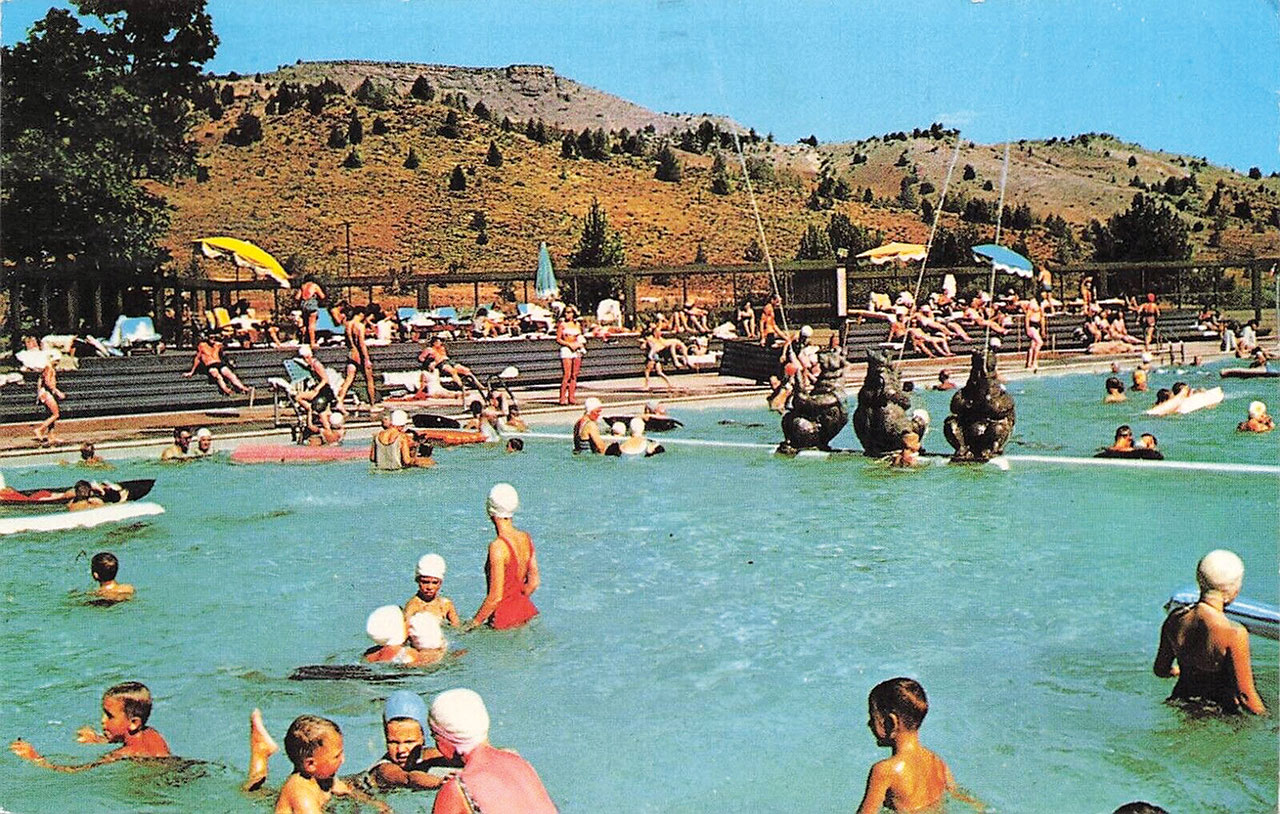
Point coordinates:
pixel 512 568
pixel 492 780
pixel 1207 652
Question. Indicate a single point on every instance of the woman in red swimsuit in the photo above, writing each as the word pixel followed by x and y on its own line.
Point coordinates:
pixel 512 569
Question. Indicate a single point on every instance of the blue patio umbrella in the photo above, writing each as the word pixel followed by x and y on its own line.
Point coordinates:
pixel 545 285
pixel 1003 259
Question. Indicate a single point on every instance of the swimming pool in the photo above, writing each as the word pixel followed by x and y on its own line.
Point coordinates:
pixel 712 619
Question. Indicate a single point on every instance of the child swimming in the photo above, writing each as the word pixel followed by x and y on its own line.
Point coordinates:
pixel 912 778
pixel 1258 420
pixel 389 631
pixel 909 455
pixel 1115 391
pixel 314 746
pixel 430 576
pixel 103 568
pixel 125 710
pixel 408 759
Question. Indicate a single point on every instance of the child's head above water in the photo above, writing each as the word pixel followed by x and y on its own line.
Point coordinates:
pixel 899 703
pixel 84 490
pixel 386 626
pixel 429 575
pixel 104 566
pixel 1114 385
pixel 425 633
pixel 125 709
pixel 314 745
pixel 404 723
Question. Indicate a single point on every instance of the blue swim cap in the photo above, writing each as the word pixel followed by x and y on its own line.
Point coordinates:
pixel 405 704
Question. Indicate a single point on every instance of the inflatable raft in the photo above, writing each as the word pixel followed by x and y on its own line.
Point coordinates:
pixel 88 518
pixel 296 454
pixel 1259 618
pixel 1193 402
pixel 442 436
pixel 1248 373
pixel 57 495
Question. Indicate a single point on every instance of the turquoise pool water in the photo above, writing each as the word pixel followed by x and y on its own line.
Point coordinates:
pixel 712 619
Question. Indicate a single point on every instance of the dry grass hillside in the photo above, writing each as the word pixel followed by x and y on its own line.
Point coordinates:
pixel 290 192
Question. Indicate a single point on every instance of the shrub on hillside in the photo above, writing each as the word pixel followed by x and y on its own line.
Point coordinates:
pixel 379 126
pixel 814 244
pixel 248 129
pixel 337 137
pixel 668 165
pixel 457 180
pixel 451 127
pixel 422 89
pixel 353 160
pixel 374 94
pixel 355 129
pixel 411 161
pixel 494 156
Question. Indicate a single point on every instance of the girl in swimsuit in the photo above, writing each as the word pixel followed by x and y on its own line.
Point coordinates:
pixel 512 568
pixel 47 395
pixel 572 348
pixel 1034 316
pixel 357 356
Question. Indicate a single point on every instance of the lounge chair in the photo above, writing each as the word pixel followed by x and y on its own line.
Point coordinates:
pixel 131 333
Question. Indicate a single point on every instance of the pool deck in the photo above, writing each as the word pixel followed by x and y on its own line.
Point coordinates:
pixel 120 437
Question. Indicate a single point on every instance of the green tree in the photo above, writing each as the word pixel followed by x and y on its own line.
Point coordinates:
pixel 494 157
pixel 598 247
pixel 248 129
pixel 422 89
pixel 843 233
pixel 907 195
pixel 969 172
pixel 457 180
pixel 374 94
pixel 1147 230
pixel 451 127
pixel 353 161
pixel 411 161
pixel 720 175
pixel 668 165
pixel 814 244
pixel 700 256
pixel 569 146
pixel 87 112
pixel 355 129
pixel 337 137
pixel 379 126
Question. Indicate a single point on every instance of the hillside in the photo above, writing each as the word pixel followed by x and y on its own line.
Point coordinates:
pixel 290 193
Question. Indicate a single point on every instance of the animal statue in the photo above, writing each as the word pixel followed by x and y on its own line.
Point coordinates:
pixel 882 416
pixel 818 414
pixel 982 414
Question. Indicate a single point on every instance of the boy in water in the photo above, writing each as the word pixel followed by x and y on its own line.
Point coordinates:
pixel 1115 391
pixel 125 709
pixel 430 576
pixel 104 567
pixel 913 777
pixel 84 497
pixel 909 455
pixel 89 457
pixel 405 764
pixel 314 746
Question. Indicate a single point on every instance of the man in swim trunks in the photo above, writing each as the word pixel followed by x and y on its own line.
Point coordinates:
pixel 47 393
pixel 586 432
pixel 310 296
pixel 435 357
pixel 1207 652
pixel 208 360
pixel 357 355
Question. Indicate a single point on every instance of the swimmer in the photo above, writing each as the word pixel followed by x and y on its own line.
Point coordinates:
pixel 944 381
pixel 514 422
pixel 389 631
pixel 180 449
pixel 909 455
pixel 125 710
pixel 1207 652
pixel 1258 420
pixel 429 643
pixel 913 777
pixel 636 443
pixel 430 576
pixel 491 779
pixel 515 445
pixel 103 568
pixel 1124 439
pixel 89 457
pixel 314 747
pixel 1168 401
pixel 511 571
pixel 653 409
pixel 204 442
pixel 1140 373
pixel 1115 391
pixel 586 432
pixel 407 759
pixel 85 497
pixel 1147 441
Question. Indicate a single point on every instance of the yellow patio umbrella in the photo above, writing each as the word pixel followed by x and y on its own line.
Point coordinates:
pixel 245 255
pixel 894 253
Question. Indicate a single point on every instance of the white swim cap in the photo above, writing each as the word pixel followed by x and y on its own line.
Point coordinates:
pixel 336 420
pixel 1222 572
pixel 1257 409
pixel 386 626
pixel 637 426
pixel 995 342
pixel 203 432
pixel 806 331
pixel 592 405
pixel 503 501
pixel 431 565
pixel 304 351
pixel 460 718
pixel 1147 357
pixel 922 415
pixel 425 633
pixel 618 428
pixel 651 405
pixel 399 418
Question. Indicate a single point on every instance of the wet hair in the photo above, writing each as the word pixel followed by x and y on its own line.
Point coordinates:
pixel 903 697
pixel 104 566
pixel 136 697
pixel 1140 807
pixel 1178 387
pixel 908 386
pixel 1154 442
pixel 305 735
pixel 476 407
pixel 83 489
pixel 1163 395
pixel 86 450
pixel 943 375
pixel 178 431
pixel 1114 385
pixel 516 445
pixel 1123 430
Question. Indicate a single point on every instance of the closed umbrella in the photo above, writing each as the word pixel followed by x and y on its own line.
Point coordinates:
pixel 544 284
pixel 894 253
pixel 1003 259
pixel 245 255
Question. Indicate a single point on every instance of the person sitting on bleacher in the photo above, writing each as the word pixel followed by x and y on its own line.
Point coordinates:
pixel 928 322
pixel 208 360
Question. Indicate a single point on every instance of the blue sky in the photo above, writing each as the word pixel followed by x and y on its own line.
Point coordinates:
pixel 1195 77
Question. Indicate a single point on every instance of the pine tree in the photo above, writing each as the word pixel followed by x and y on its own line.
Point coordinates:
pixel 248 129
pixel 457 180
pixel 569 147
pixel 355 129
pixel 481 111
pixel 411 161
pixel 598 246
pixel 379 126
pixel 814 244
pixel 337 137
pixel 700 257
pixel 969 172
pixel 494 158
pixel 719 175
pixel 450 128
pixel 668 165
pixel 422 89
pixel 353 160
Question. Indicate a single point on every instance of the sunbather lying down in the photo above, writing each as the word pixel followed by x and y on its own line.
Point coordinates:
pixel 421 386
